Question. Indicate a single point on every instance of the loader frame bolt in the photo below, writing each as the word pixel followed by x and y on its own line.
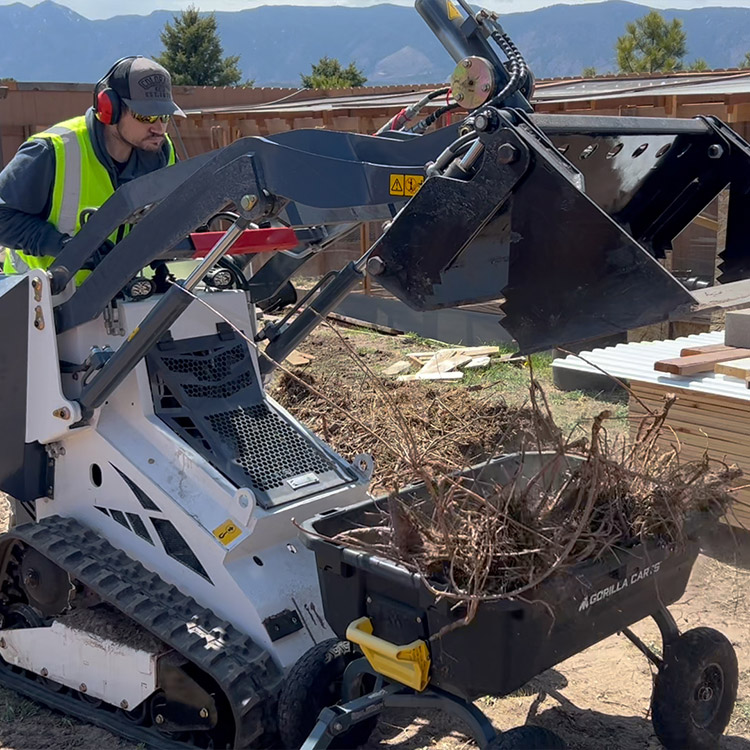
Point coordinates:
pixel 31 579
pixel 82 687
pixel 159 719
pixel 204 713
pixel 44 672
pixel 2 642
pixel 376 266
pixel 248 201
pixel 715 151
pixel 124 704
pixel 507 154
pixel 482 122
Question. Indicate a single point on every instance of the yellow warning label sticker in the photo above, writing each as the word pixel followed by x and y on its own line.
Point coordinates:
pixel 405 184
pixel 453 12
pixel 412 183
pixel 227 532
pixel 397 184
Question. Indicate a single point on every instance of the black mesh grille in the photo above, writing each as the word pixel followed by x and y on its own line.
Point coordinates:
pixel 219 391
pixel 139 527
pixel 207 391
pixel 119 516
pixel 207 365
pixel 265 446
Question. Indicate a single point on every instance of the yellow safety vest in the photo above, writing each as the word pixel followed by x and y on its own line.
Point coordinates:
pixel 81 182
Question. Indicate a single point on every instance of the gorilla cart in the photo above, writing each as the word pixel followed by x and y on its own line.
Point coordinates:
pixel 411 656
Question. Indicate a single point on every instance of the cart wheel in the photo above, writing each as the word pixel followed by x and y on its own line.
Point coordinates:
pixel 695 690
pixel 527 737
pixel 313 684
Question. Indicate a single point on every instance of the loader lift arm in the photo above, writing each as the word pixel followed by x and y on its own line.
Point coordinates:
pixel 503 215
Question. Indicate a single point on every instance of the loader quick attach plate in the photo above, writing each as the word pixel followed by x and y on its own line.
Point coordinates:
pixel 206 389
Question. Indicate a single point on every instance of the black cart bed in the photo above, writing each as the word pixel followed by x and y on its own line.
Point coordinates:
pixel 509 641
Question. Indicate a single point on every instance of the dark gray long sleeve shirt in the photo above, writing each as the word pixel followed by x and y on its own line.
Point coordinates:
pixel 27 181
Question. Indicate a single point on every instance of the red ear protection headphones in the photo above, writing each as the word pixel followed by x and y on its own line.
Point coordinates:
pixel 107 102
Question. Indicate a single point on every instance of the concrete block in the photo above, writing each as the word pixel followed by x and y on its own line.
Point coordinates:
pixel 737 329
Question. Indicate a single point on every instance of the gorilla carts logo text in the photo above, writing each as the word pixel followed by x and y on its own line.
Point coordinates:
pixel 615 588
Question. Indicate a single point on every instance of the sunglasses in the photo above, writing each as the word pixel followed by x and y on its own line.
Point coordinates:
pixel 151 119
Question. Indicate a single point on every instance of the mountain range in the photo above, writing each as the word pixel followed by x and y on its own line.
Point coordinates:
pixel 49 42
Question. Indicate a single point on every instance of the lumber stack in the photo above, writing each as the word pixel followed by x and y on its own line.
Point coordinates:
pixel 701 421
pixel 445 364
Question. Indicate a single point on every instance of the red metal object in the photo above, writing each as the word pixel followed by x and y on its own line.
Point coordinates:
pixel 250 241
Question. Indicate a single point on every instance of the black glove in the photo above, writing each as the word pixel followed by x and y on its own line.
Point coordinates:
pixel 98 255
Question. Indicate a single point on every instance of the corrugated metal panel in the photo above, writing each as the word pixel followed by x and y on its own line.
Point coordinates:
pixel 635 362
pixel 323 104
pixel 737 83
pixel 622 84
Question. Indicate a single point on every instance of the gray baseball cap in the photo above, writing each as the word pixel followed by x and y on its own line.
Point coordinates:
pixel 144 86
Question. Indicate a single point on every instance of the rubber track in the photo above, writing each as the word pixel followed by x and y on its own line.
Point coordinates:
pixel 247 674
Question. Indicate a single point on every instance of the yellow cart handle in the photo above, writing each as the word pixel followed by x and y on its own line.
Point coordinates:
pixel 408 664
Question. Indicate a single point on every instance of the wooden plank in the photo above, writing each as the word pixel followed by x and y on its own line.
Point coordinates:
pixel 364 324
pixel 735 368
pixel 699 411
pixel 737 430
pixel 397 368
pixel 474 351
pixel 657 392
pixel 477 362
pixel 711 421
pixel 706 222
pixel 298 359
pixel 479 351
pixel 698 429
pixel 444 360
pixel 723 296
pixel 447 364
pixel 452 375
pixel 415 360
pixel 713 446
pixel 698 363
pixel 689 351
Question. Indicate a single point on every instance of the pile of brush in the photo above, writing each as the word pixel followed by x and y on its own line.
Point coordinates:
pixel 483 541
pixel 412 430
pixel 477 540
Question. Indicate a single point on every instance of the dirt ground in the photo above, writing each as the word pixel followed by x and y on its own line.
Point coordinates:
pixel 597 699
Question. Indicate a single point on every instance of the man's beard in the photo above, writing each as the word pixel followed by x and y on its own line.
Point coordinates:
pixel 145 144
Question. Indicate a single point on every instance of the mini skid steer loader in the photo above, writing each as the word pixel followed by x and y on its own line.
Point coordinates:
pixel 152 581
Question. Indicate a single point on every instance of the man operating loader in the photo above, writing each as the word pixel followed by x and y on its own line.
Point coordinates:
pixel 59 176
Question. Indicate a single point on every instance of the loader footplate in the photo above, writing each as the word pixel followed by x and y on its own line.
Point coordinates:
pixel 243 678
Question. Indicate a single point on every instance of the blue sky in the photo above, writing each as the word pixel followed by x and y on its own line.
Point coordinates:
pixel 108 8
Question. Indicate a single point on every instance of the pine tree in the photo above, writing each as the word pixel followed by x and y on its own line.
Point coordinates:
pixel 588 72
pixel 745 63
pixel 193 52
pixel 327 73
pixel 651 45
